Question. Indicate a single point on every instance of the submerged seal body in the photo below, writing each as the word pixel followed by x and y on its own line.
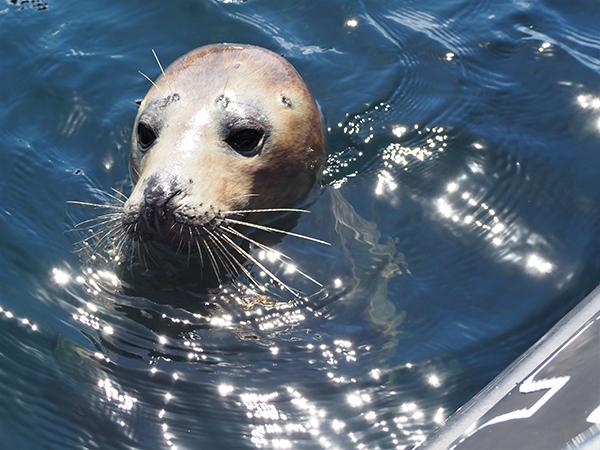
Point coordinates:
pixel 228 131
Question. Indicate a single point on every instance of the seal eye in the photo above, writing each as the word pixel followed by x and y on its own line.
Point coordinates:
pixel 146 135
pixel 245 141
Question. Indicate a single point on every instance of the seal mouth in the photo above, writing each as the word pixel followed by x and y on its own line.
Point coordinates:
pixel 163 224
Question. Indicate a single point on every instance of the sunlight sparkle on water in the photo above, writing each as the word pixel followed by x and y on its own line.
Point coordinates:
pixel 408 407
pixel 544 46
pixel 371 416
pixel 225 389
pixel 440 416
pixel 452 187
pixel 337 425
pixel 60 277
pixel 273 256
pixel 375 374
pixel 123 400
pixel 385 183
pixel 537 264
pixel 444 207
pixel 23 320
pixel 399 130
pixel 434 380
pixel 356 399
pixel 587 101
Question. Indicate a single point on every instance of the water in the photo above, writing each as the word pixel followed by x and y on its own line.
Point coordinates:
pixel 461 199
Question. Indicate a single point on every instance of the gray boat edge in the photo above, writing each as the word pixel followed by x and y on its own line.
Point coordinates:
pixel 460 427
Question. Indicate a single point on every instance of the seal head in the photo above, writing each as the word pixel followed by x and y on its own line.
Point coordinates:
pixel 227 129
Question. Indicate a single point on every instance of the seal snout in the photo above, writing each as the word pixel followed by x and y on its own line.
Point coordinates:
pixel 158 195
pixel 151 215
pixel 164 213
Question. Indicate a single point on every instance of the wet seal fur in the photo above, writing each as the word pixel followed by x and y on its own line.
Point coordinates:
pixel 226 131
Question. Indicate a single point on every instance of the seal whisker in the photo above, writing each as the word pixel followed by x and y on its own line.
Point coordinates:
pixel 131 255
pixel 213 261
pixel 135 249
pixel 149 79
pixel 274 230
pixel 95 234
pixel 199 248
pixel 233 271
pixel 259 264
pixel 267 248
pixel 136 171
pixel 104 228
pixel 119 242
pixel 233 261
pixel 237 266
pixel 228 264
pixel 243 196
pixel 97 218
pixel 95 205
pixel 101 220
pixel 81 248
pixel 162 71
pixel 241 266
pixel 143 250
pixel 265 210
pixel 189 246
pixel 180 238
pixel 106 222
pixel 200 253
pixel 107 235
pixel 220 261
pixel 108 194
pixel 152 258
pixel 119 193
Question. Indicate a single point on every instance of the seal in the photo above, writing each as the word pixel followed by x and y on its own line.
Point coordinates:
pixel 228 135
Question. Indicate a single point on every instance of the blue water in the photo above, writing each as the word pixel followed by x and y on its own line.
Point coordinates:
pixel 461 198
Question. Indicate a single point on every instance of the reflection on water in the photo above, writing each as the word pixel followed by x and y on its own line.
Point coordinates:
pixel 589 102
pixel 460 199
pixel 22 321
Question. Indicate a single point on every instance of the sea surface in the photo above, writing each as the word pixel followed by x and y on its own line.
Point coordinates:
pixel 461 199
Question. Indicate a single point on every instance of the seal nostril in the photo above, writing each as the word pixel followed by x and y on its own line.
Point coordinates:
pixel 159 205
